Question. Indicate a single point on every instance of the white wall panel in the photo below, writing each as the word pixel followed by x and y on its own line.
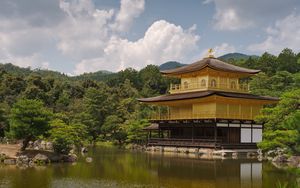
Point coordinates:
pixel 257 135
pixel 245 135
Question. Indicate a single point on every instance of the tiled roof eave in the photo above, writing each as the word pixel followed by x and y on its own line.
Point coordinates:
pixel 194 95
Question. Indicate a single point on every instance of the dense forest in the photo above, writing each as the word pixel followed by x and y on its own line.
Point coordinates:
pixel 102 106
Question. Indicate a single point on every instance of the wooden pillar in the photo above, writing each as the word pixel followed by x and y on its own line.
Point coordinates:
pixel 159 112
pixel 240 111
pixel 192 133
pixel 227 83
pixel 251 133
pixel 216 133
pixel 228 133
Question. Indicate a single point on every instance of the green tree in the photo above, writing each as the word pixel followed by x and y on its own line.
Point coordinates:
pixel 282 123
pixel 153 82
pixel 112 127
pixel 97 104
pixel 287 61
pixel 134 130
pixel 64 136
pixel 263 84
pixel 267 63
pixel 3 120
pixel 29 119
pixel 10 88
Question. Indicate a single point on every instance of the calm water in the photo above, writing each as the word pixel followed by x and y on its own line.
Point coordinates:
pixel 118 168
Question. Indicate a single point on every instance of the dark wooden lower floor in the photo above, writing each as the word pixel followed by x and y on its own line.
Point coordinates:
pixel 212 135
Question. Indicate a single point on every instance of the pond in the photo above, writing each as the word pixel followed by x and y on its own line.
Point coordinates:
pixel 112 167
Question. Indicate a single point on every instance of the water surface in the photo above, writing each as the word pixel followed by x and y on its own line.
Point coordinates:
pixel 113 167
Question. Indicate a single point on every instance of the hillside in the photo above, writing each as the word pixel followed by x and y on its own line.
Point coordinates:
pixel 20 71
pixel 236 56
pixel 170 65
pixel 101 75
pixel 104 75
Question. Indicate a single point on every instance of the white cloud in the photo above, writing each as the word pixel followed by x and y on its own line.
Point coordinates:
pixel 223 49
pixel 162 41
pixel 284 34
pixel 236 15
pixel 129 10
pixel 76 28
pixel 93 38
pixel 83 35
pixel 26 31
pixel 86 31
pixel 230 20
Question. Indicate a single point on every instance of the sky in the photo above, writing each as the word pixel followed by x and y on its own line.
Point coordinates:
pixel 78 36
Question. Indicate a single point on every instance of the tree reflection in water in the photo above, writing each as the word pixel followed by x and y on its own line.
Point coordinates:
pixel 118 168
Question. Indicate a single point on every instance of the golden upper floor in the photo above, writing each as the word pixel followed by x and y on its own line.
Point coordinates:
pixel 212 107
pixel 208 104
pixel 212 80
pixel 210 74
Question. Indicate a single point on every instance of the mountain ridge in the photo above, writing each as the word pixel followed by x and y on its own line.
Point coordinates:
pixel 104 74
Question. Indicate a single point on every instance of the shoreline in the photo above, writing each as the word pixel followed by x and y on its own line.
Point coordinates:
pixel 11 155
pixel 278 159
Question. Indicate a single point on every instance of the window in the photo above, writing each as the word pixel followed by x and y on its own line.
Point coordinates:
pixel 233 85
pixel 203 83
pixel 213 83
pixel 185 85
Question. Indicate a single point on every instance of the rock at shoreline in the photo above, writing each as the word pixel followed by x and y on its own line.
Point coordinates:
pixel 49 146
pixel 22 159
pixel 89 159
pixel 2 157
pixel 9 161
pixel 294 161
pixel 43 145
pixel 84 150
pixel 37 144
pixel 30 145
pixel 41 159
pixel 280 159
pixel 70 158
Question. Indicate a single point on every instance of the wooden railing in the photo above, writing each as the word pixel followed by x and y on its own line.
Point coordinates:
pixel 184 142
pixel 178 88
pixel 203 115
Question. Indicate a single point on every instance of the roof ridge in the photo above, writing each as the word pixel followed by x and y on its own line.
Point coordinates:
pixel 213 63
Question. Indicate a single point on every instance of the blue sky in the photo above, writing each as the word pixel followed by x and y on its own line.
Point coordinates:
pixel 77 36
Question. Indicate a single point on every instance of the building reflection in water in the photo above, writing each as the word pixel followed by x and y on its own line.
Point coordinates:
pixel 209 173
pixel 251 175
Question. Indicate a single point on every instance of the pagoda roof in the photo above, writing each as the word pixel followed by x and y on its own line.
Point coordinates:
pixel 202 94
pixel 212 63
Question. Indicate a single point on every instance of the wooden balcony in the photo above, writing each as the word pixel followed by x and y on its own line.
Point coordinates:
pixel 204 115
pixel 178 88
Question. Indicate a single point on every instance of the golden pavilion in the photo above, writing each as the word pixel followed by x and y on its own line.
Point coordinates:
pixel 211 107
